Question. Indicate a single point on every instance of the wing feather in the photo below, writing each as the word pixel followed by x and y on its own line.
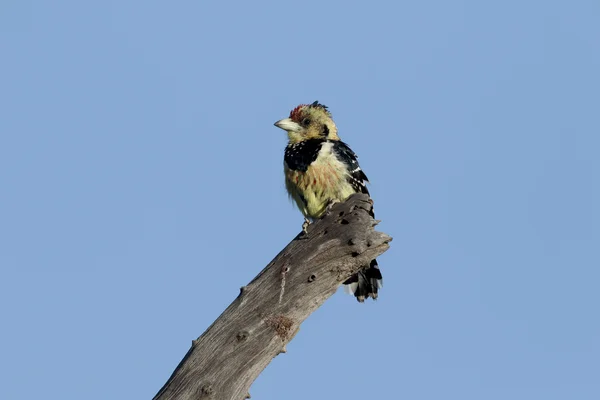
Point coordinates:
pixel 356 176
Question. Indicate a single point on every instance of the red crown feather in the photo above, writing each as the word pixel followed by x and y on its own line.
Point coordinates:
pixel 296 113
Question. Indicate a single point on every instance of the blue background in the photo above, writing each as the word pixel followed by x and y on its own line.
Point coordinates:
pixel 141 185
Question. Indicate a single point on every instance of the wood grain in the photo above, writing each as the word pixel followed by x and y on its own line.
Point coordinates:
pixel 224 361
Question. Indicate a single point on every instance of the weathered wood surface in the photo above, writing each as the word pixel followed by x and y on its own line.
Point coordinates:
pixel 234 350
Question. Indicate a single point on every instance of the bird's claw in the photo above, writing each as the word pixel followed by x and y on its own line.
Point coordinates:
pixel 305 225
pixel 330 206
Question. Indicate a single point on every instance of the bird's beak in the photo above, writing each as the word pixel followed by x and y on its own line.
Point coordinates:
pixel 288 125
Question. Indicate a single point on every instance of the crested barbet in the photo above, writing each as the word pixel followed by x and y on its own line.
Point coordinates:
pixel 321 170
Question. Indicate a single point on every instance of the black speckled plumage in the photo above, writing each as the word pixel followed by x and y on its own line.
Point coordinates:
pixel 299 156
pixel 357 177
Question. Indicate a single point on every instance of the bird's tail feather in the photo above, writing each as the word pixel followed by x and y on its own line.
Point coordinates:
pixel 365 283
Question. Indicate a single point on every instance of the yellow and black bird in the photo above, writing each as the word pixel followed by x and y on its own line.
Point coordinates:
pixel 321 170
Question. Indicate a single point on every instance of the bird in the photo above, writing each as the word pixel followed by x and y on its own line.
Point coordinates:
pixel 321 170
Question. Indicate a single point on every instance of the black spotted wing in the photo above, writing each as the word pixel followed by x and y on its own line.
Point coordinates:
pixel 356 177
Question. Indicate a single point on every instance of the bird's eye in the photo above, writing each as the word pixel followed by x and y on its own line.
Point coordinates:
pixel 306 122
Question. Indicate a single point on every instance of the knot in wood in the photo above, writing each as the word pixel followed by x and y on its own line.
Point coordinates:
pixel 206 390
pixel 281 324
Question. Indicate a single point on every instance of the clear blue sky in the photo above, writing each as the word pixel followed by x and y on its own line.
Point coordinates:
pixel 141 186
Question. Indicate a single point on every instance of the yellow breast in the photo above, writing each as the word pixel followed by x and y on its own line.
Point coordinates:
pixel 315 188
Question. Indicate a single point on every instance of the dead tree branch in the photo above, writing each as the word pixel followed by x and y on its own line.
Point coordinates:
pixel 229 356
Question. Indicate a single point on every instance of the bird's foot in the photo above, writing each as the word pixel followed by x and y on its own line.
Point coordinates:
pixel 330 206
pixel 305 226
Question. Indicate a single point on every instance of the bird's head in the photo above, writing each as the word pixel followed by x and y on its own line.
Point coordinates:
pixel 309 121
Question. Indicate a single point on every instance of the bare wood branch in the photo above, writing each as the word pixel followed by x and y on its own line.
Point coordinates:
pixel 234 350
